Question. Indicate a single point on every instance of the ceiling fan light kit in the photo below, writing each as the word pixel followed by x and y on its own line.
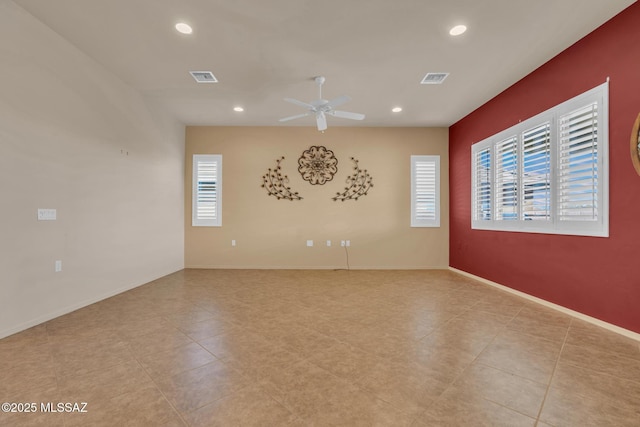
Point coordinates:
pixel 321 107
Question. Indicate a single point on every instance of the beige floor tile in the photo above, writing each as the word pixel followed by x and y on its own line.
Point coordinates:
pixel 304 388
pixel 234 343
pixel 406 385
pixel 145 406
pixel 606 362
pixel 582 397
pixel 190 390
pixel 321 348
pixel 128 328
pixel 33 394
pixel 203 329
pixel 350 406
pixel 459 407
pixel 81 355
pixel 346 361
pixel 520 394
pixel 25 368
pixel 590 336
pixel 523 355
pixel 250 406
pixel 157 341
pixel 176 360
pixel 105 384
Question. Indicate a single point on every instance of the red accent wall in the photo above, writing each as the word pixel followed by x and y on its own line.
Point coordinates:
pixel 599 277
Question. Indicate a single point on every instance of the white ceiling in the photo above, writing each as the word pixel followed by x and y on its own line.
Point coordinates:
pixel 375 51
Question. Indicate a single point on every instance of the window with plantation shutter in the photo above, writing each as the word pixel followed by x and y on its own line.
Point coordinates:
pixel 548 174
pixel 482 201
pixel 536 173
pixel 425 191
pixel 578 165
pixel 207 190
pixel 506 179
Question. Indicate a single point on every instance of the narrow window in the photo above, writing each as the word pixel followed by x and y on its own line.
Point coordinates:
pixel 207 190
pixel 425 191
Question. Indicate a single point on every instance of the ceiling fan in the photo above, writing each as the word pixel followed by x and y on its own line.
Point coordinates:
pixel 321 107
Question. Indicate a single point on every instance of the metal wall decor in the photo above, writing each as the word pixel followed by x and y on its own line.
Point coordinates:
pixel 358 184
pixel 317 165
pixel 635 145
pixel 276 184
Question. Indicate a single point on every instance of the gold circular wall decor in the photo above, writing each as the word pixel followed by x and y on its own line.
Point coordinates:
pixel 635 145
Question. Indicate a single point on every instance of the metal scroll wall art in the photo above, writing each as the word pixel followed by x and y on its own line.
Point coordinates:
pixel 358 184
pixel 277 184
pixel 317 165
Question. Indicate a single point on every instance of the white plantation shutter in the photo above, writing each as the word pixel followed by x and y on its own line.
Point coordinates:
pixel 482 187
pixel 536 173
pixel 578 165
pixel 207 190
pixel 425 191
pixel 548 174
pixel 506 179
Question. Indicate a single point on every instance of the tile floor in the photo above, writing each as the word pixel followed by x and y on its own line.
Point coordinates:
pixel 322 348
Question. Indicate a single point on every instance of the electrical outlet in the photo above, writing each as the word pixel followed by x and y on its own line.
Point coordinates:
pixel 58 267
pixel 309 242
pixel 328 242
pixel 348 243
pixel 233 243
pixel 342 243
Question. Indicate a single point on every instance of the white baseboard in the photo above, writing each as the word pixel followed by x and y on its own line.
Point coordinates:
pixel 617 329
pixel 311 267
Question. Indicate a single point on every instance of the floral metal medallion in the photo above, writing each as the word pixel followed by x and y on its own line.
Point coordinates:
pixel 317 165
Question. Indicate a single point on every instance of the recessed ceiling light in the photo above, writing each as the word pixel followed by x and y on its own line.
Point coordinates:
pixel 238 109
pixel 184 28
pixel 457 30
pixel 396 109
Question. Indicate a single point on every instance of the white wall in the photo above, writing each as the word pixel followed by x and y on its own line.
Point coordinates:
pixel 75 138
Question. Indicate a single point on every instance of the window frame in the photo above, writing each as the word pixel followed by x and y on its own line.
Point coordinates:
pixel 415 220
pixel 483 213
pixel 197 221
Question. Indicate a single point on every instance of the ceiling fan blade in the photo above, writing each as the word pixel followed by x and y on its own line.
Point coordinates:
pixel 297 116
pixel 338 101
pixel 321 119
pixel 300 103
pixel 347 115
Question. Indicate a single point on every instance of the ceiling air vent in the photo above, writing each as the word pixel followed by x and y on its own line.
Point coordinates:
pixel 204 76
pixel 434 78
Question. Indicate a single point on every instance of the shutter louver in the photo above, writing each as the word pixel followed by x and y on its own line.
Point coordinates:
pixel 578 165
pixel 536 173
pixel 506 190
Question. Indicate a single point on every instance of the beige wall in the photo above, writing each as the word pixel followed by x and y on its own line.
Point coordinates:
pixel 272 233
pixel 75 138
